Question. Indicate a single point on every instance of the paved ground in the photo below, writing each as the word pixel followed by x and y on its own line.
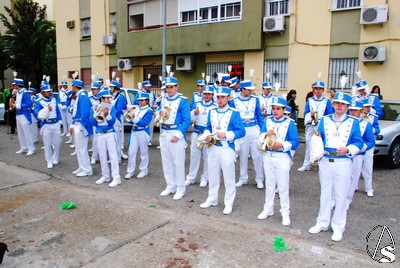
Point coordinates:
pixel 133 226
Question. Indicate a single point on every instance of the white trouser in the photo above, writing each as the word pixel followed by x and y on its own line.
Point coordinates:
pixel 173 161
pixel 81 148
pixel 367 167
pixel 355 176
pixel 64 118
pixel 51 135
pixel 195 155
pixel 334 178
pixel 121 133
pixel 276 171
pixel 221 158
pixel 95 152
pixel 107 144
pixel 24 133
pixel 248 145
pixel 309 132
pixel 117 126
pixel 138 141
pixel 151 127
pixel 34 129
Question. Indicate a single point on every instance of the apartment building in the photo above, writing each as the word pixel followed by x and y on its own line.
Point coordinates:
pixel 292 40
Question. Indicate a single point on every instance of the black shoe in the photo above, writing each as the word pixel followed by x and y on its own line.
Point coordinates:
pixel 3 249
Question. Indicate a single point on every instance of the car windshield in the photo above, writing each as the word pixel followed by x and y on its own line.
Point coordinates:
pixel 131 95
pixel 391 111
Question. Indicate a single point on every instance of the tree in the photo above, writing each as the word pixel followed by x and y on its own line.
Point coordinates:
pixel 28 39
pixel 4 61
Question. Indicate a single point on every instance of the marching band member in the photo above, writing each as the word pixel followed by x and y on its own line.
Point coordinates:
pixel 341 138
pixel 72 99
pixel 373 99
pixel 140 136
pixel 368 157
pixel 316 107
pixel 175 113
pixel 119 102
pixel 34 125
pixel 250 112
pixel 266 98
pixel 48 112
pixel 287 112
pixel 23 105
pixel 235 87
pixel 64 101
pixel 277 158
pixel 197 96
pixel 369 143
pixel 146 88
pixel 224 125
pixel 95 101
pixel 199 116
pixel 103 117
pixel 82 128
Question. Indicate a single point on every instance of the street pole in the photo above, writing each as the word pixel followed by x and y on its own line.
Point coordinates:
pixel 164 48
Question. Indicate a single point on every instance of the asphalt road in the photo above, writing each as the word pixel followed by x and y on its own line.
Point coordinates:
pixel 133 226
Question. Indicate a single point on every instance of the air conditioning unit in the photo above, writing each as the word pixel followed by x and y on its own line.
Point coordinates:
pixel 124 64
pixel 71 24
pixel 184 63
pixel 108 39
pixel 373 53
pixel 273 24
pixel 374 15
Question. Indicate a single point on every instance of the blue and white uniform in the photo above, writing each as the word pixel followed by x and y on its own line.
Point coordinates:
pixel 196 97
pixel 64 102
pixel 374 100
pixel 322 106
pixel 173 153
pixel 152 103
pixel 34 125
pixel 50 123
pixel 222 155
pixel 119 102
pixel 95 101
pixel 200 121
pixel 23 106
pixel 369 143
pixel 334 169
pixel 252 118
pixel 82 129
pixel 106 143
pixel 277 163
pixel 265 103
pixel 139 139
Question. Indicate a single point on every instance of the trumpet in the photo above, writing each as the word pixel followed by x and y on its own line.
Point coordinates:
pixel 161 119
pixel 11 103
pixel 315 119
pixel 365 117
pixel 201 143
pixel 99 115
pixel 130 114
pixel 264 110
pixel 269 141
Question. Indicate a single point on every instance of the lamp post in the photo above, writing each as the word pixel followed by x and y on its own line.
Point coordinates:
pixel 164 37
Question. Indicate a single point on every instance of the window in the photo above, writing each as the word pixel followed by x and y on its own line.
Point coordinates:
pixel 86 76
pixel 277 7
pixel 136 22
pixel 113 23
pixel 278 70
pixel 339 67
pixel 213 69
pixel 209 11
pixel 85 28
pixel 346 4
pixel 231 11
pixel 209 14
pixel 155 72
pixel 189 17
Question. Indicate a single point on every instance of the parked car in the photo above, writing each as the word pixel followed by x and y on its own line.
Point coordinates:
pixel 130 95
pixel 2 112
pixel 388 141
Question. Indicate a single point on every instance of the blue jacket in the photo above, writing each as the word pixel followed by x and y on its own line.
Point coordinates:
pixel 26 105
pixel 83 109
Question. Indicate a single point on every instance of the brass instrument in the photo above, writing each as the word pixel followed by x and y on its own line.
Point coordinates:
pixel 11 103
pixel 264 110
pixel 99 115
pixel 201 143
pixel 130 114
pixel 365 117
pixel 161 119
pixel 269 141
pixel 314 121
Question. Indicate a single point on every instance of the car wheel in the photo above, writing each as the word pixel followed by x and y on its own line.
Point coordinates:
pixel 394 154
